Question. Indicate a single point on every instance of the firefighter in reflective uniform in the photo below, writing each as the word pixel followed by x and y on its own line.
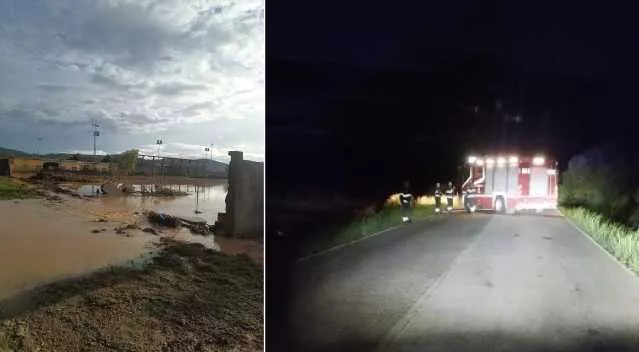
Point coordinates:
pixel 438 198
pixel 406 203
pixel 450 191
pixel 469 200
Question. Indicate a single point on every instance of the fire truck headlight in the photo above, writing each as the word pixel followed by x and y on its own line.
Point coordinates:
pixel 538 160
pixel 472 159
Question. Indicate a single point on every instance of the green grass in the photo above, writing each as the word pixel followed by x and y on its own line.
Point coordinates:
pixel 12 189
pixel 365 226
pixel 618 240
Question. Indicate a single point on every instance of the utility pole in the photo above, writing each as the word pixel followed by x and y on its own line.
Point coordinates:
pixel 96 133
pixel 159 144
pixel 210 150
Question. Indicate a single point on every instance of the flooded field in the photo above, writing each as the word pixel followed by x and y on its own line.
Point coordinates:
pixel 42 244
pixel 204 201
pixel 44 240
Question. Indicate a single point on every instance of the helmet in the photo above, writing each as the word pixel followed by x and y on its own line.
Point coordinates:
pixel 450 183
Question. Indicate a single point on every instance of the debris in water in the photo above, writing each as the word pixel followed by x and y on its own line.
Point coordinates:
pixel 163 219
pixel 198 212
pixel 54 198
pixel 150 230
pixel 95 231
pixel 102 220
pixel 198 228
pixel 120 230
pixel 132 227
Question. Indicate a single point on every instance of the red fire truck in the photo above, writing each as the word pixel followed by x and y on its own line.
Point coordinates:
pixel 510 183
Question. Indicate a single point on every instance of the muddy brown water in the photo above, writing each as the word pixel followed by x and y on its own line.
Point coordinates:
pixel 204 201
pixel 44 241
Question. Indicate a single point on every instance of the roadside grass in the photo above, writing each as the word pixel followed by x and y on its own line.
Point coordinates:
pixel 364 226
pixel 14 189
pixel 618 240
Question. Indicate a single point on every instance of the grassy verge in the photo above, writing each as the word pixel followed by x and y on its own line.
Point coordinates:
pixel 14 189
pixel 188 299
pixel 618 240
pixel 365 226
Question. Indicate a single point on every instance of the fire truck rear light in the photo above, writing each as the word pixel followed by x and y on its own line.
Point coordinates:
pixel 472 159
pixel 538 161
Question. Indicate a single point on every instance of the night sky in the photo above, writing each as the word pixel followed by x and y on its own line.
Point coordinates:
pixel 363 95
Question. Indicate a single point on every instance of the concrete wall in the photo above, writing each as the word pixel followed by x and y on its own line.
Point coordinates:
pixel 245 198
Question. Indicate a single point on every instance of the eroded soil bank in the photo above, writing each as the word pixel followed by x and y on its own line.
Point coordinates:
pixel 189 298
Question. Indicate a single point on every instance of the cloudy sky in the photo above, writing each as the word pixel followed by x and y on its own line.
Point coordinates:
pixel 189 72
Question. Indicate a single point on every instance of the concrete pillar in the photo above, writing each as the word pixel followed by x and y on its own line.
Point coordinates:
pixel 233 194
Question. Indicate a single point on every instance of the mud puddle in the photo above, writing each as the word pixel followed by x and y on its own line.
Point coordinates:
pixel 41 244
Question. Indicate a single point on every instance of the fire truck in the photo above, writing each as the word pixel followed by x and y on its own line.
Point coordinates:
pixel 511 183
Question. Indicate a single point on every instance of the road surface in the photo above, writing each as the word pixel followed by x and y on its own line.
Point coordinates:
pixel 463 282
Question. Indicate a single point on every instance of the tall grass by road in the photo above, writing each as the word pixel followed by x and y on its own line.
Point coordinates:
pixel 618 240
pixel 364 226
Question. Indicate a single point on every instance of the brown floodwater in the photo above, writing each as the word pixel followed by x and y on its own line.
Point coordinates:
pixel 43 241
pixel 204 201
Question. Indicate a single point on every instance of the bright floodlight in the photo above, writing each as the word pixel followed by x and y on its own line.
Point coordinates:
pixel 501 160
pixel 538 160
pixel 480 162
pixel 471 159
pixel 490 161
pixel 513 160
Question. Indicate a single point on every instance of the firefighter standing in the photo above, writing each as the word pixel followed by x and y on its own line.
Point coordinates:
pixel 438 198
pixel 406 203
pixel 450 191
pixel 469 200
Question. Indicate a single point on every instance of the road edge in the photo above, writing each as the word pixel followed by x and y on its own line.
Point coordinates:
pixel 310 256
pixel 572 223
pixel 375 234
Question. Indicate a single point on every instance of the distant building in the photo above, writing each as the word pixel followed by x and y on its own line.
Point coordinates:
pixel 24 165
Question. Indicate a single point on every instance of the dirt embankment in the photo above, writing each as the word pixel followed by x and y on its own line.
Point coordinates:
pixel 188 299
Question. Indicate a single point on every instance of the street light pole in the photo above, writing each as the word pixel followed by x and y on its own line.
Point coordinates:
pixel 96 133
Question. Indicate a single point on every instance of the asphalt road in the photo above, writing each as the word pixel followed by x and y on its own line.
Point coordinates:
pixel 467 283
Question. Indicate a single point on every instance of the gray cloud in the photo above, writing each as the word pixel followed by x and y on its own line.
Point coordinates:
pixel 140 67
pixel 177 88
